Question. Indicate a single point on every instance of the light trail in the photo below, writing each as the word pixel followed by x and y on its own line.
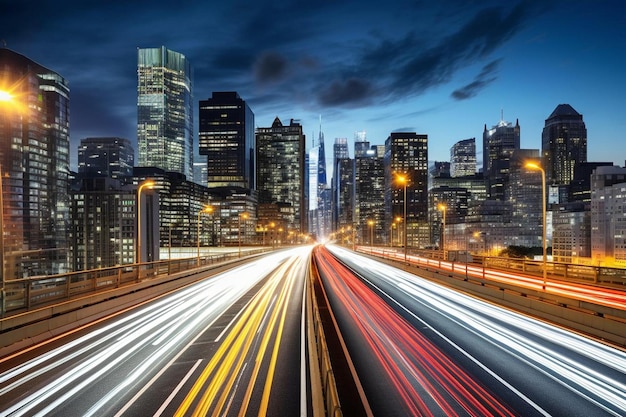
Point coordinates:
pixel 588 369
pixel 161 328
pixel 425 379
pixel 252 341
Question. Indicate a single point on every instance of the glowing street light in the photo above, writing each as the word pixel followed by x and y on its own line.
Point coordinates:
pixel 243 215
pixel 443 208
pixel 205 209
pixel 371 225
pixel 537 167
pixel 142 185
pixel 402 179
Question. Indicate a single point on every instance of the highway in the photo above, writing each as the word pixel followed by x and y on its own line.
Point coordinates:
pixel 232 344
pixel 419 348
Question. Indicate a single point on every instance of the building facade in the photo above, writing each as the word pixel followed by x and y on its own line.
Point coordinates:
pixel 34 163
pixel 226 137
pixel 463 158
pixel 563 146
pixel 106 156
pixel 406 154
pixel 369 196
pixel 499 143
pixel 164 110
pixel 280 156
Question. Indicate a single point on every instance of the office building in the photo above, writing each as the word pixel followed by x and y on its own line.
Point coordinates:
pixel 463 158
pixel 164 110
pixel 608 216
pixel 34 164
pixel 563 146
pixel 103 225
pixel 106 156
pixel 280 156
pixel 226 137
pixel 499 143
pixel 406 154
pixel 369 196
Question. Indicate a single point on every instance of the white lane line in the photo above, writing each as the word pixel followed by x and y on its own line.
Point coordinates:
pixel 303 379
pixel 182 382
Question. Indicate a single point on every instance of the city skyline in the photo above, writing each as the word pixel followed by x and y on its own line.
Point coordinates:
pixel 444 70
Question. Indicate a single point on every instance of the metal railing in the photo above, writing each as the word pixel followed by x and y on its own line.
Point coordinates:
pixel 575 272
pixel 27 293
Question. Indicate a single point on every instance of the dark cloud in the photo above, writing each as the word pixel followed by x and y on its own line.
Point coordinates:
pixel 270 67
pixel 484 78
pixel 350 93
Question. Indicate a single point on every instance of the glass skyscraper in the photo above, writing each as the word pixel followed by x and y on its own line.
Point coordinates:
pixel 34 161
pixel 164 110
pixel 226 137
pixel 563 144
pixel 280 151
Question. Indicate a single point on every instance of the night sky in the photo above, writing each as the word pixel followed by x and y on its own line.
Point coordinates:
pixel 443 68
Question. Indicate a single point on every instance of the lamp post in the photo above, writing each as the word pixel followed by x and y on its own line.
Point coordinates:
pixel 142 185
pixel 534 166
pixel 443 208
pixel 402 179
pixel 205 209
pixel 371 225
pixel 243 215
pixel 5 97
pixel 393 224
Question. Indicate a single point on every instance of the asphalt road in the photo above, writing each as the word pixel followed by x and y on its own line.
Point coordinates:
pixel 231 344
pixel 421 348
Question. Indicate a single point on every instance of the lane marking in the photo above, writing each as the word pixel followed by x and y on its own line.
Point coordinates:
pixel 182 382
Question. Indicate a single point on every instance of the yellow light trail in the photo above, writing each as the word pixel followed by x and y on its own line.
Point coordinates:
pixel 218 381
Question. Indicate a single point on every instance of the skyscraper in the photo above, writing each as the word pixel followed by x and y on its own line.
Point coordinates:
pixel 406 153
pixel 164 110
pixel 563 144
pixel 280 151
pixel 226 137
pixel 463 158
pixel 499 142
pixel 369 191
pixel 34 161
pixel 110 157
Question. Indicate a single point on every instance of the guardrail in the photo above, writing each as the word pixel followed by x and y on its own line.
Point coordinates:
pixel 322 355
pixel 586 273
pixel 27 293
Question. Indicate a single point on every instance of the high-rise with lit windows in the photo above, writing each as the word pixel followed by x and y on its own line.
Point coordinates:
pixel 280 155
pixel 563 146
pixel 226 137
pixel 34 162
pixel 164 110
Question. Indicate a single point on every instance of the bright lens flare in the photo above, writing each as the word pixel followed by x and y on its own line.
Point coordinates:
pixel 5 96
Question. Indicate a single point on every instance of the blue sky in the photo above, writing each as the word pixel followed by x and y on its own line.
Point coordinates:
pixel 442 68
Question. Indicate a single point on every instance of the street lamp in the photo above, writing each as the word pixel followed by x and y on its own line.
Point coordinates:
pixel 205 209
pixel 402 179
pixel 145 184
pixel 537 167
pixel 443 208
pixel 371 224
pixel 243 215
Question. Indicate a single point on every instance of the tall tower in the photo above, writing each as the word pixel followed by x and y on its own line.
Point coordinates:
pixel 463 158
pixel 499 143
pixel 164 110
pixel 226 137
pixel 406 153
pixel 280 151
pixel 34 163
pixel 563 144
